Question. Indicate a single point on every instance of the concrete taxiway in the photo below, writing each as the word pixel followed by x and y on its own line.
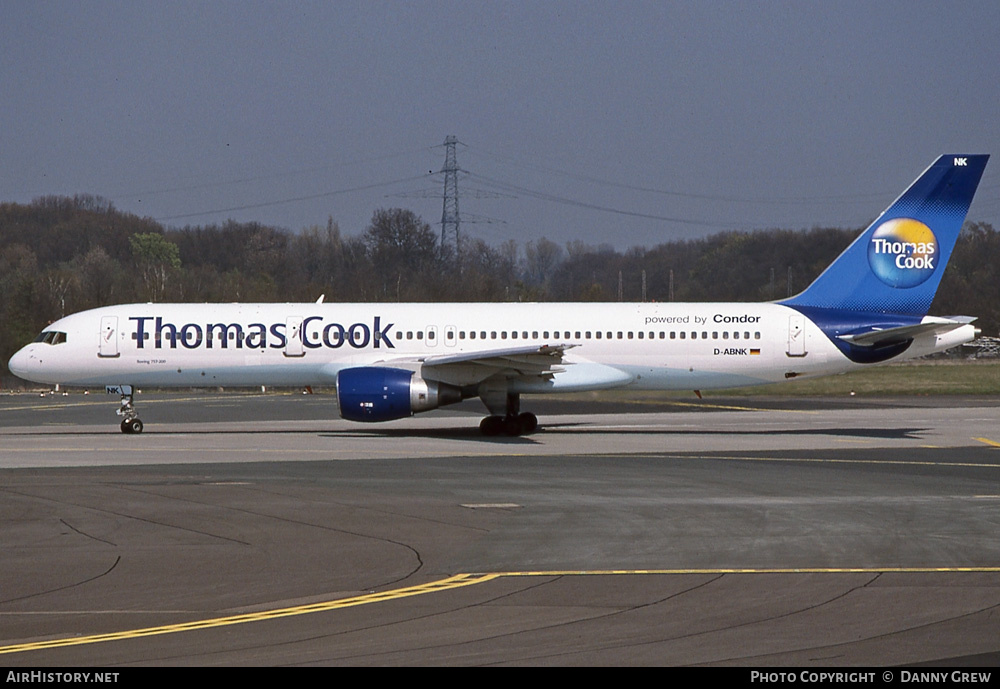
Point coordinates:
pixel 261 529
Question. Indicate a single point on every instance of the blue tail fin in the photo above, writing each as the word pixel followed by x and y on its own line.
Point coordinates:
pixel 895 265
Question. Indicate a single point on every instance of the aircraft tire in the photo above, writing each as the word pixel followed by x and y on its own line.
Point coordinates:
pixel 511 426
pixel 491 425
pixel 131 426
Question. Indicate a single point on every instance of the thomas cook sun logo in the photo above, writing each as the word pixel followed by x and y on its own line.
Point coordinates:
pixel 903 252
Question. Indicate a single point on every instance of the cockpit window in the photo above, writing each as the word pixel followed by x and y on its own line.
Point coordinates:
pixel 51 337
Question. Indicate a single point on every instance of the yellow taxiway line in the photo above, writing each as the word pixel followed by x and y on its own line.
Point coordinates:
pixel 456 581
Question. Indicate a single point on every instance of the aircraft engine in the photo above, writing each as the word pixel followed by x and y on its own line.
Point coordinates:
pixel 371 393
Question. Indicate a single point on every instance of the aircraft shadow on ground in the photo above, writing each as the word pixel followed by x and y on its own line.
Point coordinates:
pixel 883 433
pixel 472 433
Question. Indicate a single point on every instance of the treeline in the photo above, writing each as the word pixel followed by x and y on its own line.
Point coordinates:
pixel 59 255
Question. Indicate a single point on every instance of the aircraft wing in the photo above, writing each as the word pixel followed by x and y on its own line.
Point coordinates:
pixel 887 336
pixel 468 368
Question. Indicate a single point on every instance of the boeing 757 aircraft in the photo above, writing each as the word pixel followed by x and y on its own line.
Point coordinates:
pixel 391 361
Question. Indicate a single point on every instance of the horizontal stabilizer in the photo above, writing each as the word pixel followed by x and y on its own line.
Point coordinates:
pixel 889 336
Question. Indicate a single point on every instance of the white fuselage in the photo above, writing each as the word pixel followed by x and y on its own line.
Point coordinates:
pixel 662 346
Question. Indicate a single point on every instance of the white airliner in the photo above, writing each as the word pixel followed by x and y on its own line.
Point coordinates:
pixel 390 361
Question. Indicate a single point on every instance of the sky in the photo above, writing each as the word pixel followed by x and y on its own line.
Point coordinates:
pixel 623 123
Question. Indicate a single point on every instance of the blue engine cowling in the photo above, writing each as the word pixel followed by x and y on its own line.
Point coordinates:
pixel 372 393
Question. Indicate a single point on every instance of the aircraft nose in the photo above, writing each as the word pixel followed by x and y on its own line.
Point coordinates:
pixel 18 363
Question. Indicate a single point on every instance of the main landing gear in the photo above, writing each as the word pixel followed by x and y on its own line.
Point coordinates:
pixel 130 422
pixel 513 422
pixel 524 423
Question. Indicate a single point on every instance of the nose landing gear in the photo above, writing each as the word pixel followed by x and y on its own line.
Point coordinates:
pixel 131 426
pixel 131 422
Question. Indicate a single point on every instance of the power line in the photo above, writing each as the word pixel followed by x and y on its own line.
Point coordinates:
pixel 296 199
pixel 507 186
pixel 790 200
pixel 275 175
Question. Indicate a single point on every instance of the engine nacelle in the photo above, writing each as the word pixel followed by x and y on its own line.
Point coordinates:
pixel 371 393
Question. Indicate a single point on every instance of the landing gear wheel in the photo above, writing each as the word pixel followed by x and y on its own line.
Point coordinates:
pixel 513 422
pixel 131 426
pixel 491 425
pixel 528 423
pixel 522 424
pixel 511 426
pixel 130 422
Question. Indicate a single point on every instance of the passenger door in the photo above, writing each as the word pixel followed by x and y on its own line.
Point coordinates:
pixel 796 336
pixel 108 347
pixel 293 337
